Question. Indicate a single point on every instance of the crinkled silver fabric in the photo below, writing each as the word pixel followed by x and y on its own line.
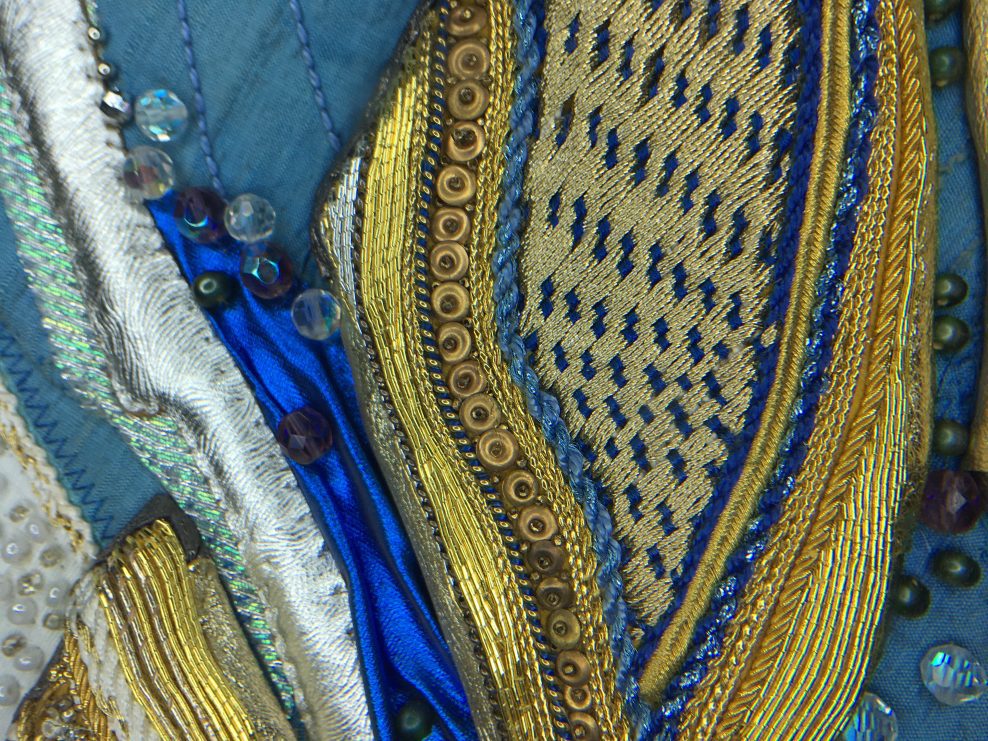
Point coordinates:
pixel 152 363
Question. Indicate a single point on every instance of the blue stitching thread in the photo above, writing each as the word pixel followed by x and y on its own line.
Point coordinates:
pixel 512 215
pixel 708 636
pixel 200 103
pixel 314 79
pixel 69 468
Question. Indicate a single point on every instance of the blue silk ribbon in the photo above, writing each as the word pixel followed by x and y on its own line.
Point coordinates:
pixel 402 651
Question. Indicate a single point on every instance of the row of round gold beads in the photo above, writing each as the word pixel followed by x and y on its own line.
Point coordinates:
pixel 468 64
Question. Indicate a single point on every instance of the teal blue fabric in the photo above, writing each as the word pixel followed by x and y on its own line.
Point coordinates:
pixel 98 470
pixel 955 615
pixel 262 119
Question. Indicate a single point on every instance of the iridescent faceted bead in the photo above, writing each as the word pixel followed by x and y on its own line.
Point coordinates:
pixel 199 214
pixel 160 115
pixel 148 173
pixel 315 314
pixel 872 720
pixel 909 597
pixel 304 435
pixel 952 501
pixel 952 674
pixel 212 288
pixel 249 218
pixel 266 271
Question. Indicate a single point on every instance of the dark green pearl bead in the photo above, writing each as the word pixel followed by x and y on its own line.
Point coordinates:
pixel 946 65
pixel 949 334
pixel 956 568
pixel 212 289
pixel 909 596
pixel 415 720
pixel 937 9
pixel 949 290
pixel 949 437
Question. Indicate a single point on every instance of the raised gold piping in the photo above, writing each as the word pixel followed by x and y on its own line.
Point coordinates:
pixel 809 618
pixel 832 124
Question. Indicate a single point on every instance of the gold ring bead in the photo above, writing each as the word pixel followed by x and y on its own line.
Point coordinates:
pixel 455 342
pixel 573 668
pixel 448 261
pixel 553 594
pixel 545 557
pixel 465 140
pixel 466 21
pixel 519 488
pixel 468 60
pixel 466 379
pixel 456 185
pixel 577 698
pixel 479 413
pixel 584 727
pixel 564 629
pixel 497 450
pixel 450 301
pixel 450 224
pixel 468 99
pixel 537 523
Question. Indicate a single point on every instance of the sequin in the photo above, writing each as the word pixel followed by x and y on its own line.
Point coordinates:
pixel 148 173
pixel 316 314
pixel 160 115
pixel 952 674
pixel 199 214
pixel 249 218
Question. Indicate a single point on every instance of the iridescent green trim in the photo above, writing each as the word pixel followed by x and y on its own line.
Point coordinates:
pixel 157 441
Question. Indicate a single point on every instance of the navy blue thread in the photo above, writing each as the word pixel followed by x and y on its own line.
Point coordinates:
pixel 314 80
pixel 199 102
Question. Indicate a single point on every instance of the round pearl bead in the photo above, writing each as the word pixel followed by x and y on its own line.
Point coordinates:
pixel 16 549
pixel 949 437
pixel 949 334
pixel 946 65
pixel 22 612
pixel 415 721
pixel 10 690
pixel 909 596
pixel 949 290
pixel 212 289
pixel 30 659
pixel 956 568
pixel 937 9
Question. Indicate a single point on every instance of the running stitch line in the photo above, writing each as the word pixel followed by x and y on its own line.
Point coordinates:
pixel 314 79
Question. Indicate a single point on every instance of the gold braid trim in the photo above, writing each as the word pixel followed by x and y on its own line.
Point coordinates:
pixel 809 618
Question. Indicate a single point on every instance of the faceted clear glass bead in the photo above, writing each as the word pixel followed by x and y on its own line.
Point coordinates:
pixel 315 314
pixel 872 720
pixel 148 173
pixel 160 115
pixel 249 218
pixel 952 674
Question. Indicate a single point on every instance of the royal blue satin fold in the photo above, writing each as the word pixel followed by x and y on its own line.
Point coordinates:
pixel 401 648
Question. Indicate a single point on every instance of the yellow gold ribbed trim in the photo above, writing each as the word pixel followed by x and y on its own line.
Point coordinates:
pixel 484 575
pixel 798 649
pixel 146 593
pixel 976 35
pixel 828 147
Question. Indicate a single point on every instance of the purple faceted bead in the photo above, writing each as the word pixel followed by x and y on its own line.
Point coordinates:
pixel 199 214
pixel 952 501
pixel 265 270
pixel 304 435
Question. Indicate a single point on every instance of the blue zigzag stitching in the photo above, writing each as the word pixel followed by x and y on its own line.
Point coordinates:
pixel 512 215
pixel 709 633
pixel 809 71
pixel 44 426
pixel 544 407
